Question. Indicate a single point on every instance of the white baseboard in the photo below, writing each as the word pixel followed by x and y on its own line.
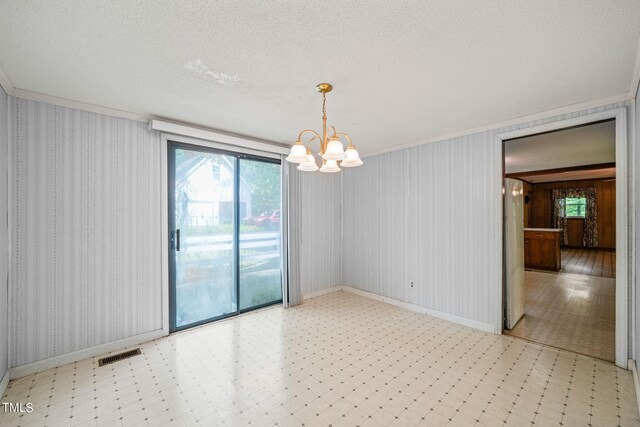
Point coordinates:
pixel 485 327
pixel 4 383
pixel 63 359
pixel 631 364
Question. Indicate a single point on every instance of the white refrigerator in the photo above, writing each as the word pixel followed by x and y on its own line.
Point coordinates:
pixel 514 250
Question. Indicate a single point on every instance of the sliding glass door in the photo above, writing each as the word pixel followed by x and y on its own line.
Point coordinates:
pixel 224 228
pixel 260 278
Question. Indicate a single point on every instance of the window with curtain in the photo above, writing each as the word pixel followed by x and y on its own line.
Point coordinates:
pixel 568 202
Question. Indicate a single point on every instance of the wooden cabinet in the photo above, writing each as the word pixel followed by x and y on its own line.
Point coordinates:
pixel 542 248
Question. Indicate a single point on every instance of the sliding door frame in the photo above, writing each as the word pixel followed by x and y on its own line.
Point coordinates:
pixel 168 140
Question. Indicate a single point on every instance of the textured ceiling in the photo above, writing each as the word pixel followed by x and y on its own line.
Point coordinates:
pixel 403 71
pixel 586 145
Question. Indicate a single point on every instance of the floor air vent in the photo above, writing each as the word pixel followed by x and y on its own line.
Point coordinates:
pixel 119 356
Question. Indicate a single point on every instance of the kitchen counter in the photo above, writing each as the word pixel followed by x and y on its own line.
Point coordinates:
pixel 542 248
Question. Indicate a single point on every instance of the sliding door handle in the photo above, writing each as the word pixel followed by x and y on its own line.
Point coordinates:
pixel 175 239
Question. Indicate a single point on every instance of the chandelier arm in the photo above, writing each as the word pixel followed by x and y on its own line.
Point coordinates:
pixel 348 138
pixel 311 140
pixel 335 132
pixel 308 130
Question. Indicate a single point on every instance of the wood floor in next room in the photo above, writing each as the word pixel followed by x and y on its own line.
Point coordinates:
pixel 340 360
pixel 571 311
pixel 589 261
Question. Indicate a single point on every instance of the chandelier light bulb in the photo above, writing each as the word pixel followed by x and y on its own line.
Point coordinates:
pixel 298 153
pixel 335 150
pixel 308 166
pixel 329 166
pixel 352 159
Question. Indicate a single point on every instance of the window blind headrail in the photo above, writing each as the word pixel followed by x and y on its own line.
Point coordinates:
pixel 210 135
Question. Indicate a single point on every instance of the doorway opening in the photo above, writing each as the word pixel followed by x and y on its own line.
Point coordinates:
pixel 225 233
pixel 560 238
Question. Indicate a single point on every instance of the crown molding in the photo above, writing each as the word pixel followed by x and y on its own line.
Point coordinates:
pixel 177 128
pixel 69 103
pixel 574 108
pixel 5 82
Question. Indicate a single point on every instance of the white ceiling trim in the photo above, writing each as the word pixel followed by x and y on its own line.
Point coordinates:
pixel 626 97
pixel 69 103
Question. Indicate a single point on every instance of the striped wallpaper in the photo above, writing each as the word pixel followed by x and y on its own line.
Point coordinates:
pixel 374 225
pixel 429 214
pixel 321 231
pixel 85 230
pixel 4 237
pixel 636 338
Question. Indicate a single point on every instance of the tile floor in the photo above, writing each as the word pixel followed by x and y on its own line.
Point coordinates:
pixel 570 311
pixel 340 360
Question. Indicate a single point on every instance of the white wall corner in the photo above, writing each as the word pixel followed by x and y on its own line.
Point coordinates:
pixel 4 383
pixel 635 76
pixel 322 292
pixel 485 327
pixel 5 82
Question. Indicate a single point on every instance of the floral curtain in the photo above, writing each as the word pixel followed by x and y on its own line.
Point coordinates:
pixel 559 217
pixel 590 236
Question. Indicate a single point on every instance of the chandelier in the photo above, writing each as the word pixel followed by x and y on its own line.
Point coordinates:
pixel 331 149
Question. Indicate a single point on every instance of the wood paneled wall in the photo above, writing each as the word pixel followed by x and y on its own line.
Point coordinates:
pixel 539 211
pixel 527 188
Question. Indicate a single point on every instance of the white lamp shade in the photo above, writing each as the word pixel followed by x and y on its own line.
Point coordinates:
pixel 308 166
pixel 330 166
pixel 334 151
pixel 352 160
pixel 298 154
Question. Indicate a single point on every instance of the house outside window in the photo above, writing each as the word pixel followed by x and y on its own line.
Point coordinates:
pixel 215 170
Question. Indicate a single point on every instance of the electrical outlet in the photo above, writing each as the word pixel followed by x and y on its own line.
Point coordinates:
pixel 411 283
